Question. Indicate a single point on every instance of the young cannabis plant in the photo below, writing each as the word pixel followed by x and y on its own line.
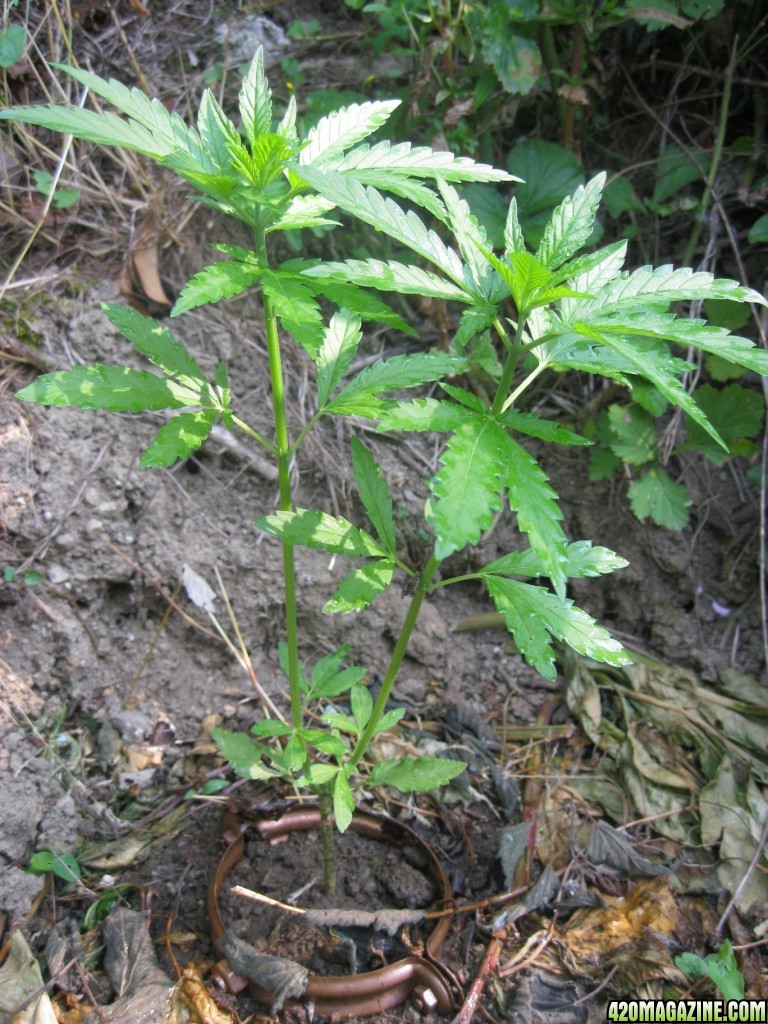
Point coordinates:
pixel 566 313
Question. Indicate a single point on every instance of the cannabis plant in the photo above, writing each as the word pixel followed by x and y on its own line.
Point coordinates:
pixel 551 311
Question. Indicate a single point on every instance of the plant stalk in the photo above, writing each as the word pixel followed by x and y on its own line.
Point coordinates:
pixel 398 654
pixel 328 840
pixel 510 364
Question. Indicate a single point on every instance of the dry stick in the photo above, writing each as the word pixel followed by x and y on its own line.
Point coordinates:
pixel 128 699
pixel 488 963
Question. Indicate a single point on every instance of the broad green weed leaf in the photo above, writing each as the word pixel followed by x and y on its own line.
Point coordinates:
pixel 216 282
pixel 721 968
pixel 467 489
pixel 470 237
pixel 533 425
pixel 415 774
pixel 270 727
pixel 327 743
pixel 633 434
pixel 318 775
pixel 374 493
pixel 473 321
pixel 736 412
pixel 340 342
pixel 255 101
pixel 390 277
pixel 550 173
pixel 319 530
pixel 658 496
pixel 343 128
pixel 328 667
pixel 182 435
pixel 216 130
pixel 371 207
pixel 534 615
pixel 106 129
pixel 295 304
pixel 581 559
pixel 359 301
pixel 357 590
pixel 343 802
pixel 154 342
pixel 466 398
pixel 304 212
pixel 115 388
pixel 538 513
pixel 390 374
pixel 388 720
pixel 571 224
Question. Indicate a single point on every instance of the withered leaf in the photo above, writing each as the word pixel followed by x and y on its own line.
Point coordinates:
pixel 609 848
pixel 387 921
pixel 282 978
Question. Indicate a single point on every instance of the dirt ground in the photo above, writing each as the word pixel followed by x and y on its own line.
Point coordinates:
pixel 110 677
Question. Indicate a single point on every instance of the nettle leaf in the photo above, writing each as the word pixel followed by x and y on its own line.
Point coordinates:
pixel 657 495
pixel 343 802
pixel 154 342
pixel 370 206
pixel 736 412
pixel 422 414
pixel 374 493
pixel 115 388
pixel 340 341
pixel 216 282
pixel 255 100
pixel 633 434
pixel 404 161
pixel 390 277
pixel 357 590
pixel 533 425
pixel 534 615
pixel 538 513
pixel 319 530
pixel 581 559
pixel 179 437
pixel 343 128
pixel 243 753
pixel 390 374
pixel 571 224
pixel 415 774
pixel 467 488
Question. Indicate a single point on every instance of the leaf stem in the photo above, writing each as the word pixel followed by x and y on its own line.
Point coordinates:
pixel 510 363
pixel 254 434
pixel 398 654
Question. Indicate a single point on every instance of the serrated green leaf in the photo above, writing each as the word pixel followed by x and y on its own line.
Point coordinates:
pixel 343 802
pixel 294 303
pixel 658 496
pixel 415 774
pixel 470 238
pixel 106 128
pixel 154 342
pixel 538 513
pixel 216 131
pixel 534 615
pixel 360 302
pixel 525 277
pixel 182 435
pixel 581 559
pixel 467 488
pixel 343 128
pixel 271 727
pixel 473 321
pixel 255 100
pixel 287 126
pixel 340 341
pixel 304 212
pixel 216 282
pixel 371 207
pixel 633 434
pixel 513 233
pixel 374 493
pixel 318 775
pixel 571 224
pixel 267 160
pixel 422 414
pixel 402 161
pixel 395 373
pixel 533 425
pixel 593 269
pixel 358 589
pixel 243 753
pixel 319 530
pixel 735 411
pixel 388 720
pixel 295 754
pixel 115 388
pixel 391 277
pixel 323 741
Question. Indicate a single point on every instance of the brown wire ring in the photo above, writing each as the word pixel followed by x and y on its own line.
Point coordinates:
pixel 421 978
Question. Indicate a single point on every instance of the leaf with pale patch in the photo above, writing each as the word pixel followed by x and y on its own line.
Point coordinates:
pixel 155 342
pixel 470 238
pixel 581 559
pixel 304 212
pixel 216 282
pixel 534 615
pixel 415 774
pixel 657 495
pixel 343 802
pixel 315 529
pixel 422 414
pixel 405 161
pixel 360 587
pixel 243 753
pixel 115 388
pixel 182 435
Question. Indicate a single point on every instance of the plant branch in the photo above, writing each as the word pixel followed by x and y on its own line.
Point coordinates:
pixel 254 434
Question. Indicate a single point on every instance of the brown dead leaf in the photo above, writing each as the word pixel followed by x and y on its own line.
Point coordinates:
pixel 139 280
pixel 191 995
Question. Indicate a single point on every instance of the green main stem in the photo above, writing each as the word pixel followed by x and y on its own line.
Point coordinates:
pixel 398 654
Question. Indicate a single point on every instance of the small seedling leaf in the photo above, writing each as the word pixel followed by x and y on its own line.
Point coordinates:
pixel 343 802
pixel 361 704
pixel 374 493
pixel 357 590
pixel 721 968
pixel 63 865
pixel 415 774
pixel 316 529
pixel 115 388
pixel 657 495
pixel 243 753
pixel 182 435
pixel 340 341
pixel 216 282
